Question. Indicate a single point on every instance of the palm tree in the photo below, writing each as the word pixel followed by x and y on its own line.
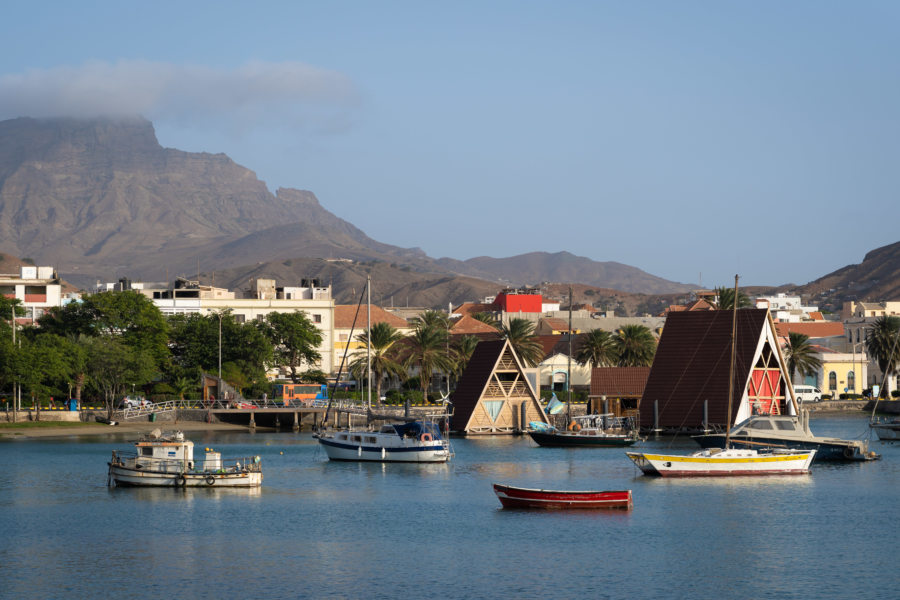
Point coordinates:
pixel 726 298
pixel 598 348
pixel 431 318
pixel 883 343
pixel 383 355
pixel 463 349
pixel 182 385
pixel 428 349
pixel 636 346
pixel 486 318
pixel 520 333
pixel 801 356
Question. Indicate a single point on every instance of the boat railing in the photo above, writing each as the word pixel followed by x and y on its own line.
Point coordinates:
pixel 133 460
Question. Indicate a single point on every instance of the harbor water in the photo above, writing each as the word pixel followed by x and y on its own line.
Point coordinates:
pixel 320 529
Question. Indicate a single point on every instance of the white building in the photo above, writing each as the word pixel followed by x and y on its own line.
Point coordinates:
pixel 37 288
pixel 786 309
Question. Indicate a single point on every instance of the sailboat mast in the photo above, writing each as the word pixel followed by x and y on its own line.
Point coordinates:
pixel 731 369
pixel 369 342
pixel 569 372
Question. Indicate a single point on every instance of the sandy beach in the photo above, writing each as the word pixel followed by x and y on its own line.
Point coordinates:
pixel 63 430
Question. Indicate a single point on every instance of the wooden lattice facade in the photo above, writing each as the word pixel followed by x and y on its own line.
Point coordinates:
pixel 494 395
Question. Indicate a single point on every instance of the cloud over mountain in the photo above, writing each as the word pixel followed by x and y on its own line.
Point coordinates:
pixel 247 94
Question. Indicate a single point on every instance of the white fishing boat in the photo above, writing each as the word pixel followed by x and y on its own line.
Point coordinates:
pixel 167 460
pixel 419 441
pixel 728 461
pixel 717 462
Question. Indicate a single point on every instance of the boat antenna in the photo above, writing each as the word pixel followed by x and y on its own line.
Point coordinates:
pixel 731 368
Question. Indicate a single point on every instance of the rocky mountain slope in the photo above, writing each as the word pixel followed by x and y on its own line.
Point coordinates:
pixel 101 199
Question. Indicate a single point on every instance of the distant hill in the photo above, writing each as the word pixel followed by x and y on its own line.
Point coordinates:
pixel 537 267
pixel 876 279
pixel 100 199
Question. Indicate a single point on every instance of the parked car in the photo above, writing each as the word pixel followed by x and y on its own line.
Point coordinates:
pixel 807 393
pixel 134 402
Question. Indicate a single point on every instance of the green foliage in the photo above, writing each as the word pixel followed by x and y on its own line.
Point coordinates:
pixel 520 333
pixel 635 345
pixel 314 376
pixel 883 344
pixel 726 298
pixel 598 349
pixel 295 340
pixel 383 356
pixel 800 355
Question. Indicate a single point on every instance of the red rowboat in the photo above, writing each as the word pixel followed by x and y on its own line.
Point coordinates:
pixel 514 497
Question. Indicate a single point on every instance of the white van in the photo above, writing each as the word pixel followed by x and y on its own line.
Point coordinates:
pixel 807 393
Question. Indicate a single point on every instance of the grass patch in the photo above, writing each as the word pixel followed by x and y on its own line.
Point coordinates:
pixel 42 424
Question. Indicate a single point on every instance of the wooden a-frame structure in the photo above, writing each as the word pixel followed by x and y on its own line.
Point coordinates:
pixel 494 395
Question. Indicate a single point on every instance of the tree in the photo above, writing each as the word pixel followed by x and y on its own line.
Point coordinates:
pixel 800 355
pixel 635 345
pixel 883 344
pixel 597 348
pixel 520 333
pixel 462 350
pixel 431 318
pixel 383 356
pixel 427 349
pixel 487 318
pixel 295 339
pixel 113 365
pixel 726 298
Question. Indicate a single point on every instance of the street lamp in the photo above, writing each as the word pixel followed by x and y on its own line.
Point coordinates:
pixel 220 347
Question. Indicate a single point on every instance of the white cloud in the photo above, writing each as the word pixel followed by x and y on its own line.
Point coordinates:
pixel 253 92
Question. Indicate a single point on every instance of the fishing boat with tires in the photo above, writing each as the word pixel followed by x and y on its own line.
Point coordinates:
pixel 418 441
pixel 167 460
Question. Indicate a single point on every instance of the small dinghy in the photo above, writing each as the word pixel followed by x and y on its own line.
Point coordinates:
pixel 516 497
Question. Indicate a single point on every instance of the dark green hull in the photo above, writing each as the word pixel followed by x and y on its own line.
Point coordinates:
pixel 566 440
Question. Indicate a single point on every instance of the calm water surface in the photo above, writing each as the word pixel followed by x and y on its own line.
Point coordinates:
pixel 342 530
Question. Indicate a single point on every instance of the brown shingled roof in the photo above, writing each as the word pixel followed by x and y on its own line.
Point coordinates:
pixel 470 308
pixel 344 313
pixel 619 381
pixel 692 364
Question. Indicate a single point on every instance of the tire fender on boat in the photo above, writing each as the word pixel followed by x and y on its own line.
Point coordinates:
pixel 210 480
pixel 849 452
pixel 181 481
pixel 426 437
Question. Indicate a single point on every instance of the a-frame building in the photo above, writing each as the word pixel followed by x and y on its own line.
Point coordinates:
pixel 494 395
pixel 692 364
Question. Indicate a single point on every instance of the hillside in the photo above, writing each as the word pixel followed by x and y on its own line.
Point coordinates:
pixel 101 199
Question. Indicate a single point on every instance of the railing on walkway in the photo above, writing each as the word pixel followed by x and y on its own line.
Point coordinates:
pixel 148 409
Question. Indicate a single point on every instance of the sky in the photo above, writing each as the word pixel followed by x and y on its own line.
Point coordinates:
pixel 692 140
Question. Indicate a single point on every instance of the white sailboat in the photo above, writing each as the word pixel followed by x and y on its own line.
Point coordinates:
pixel 417 441
pixel 711 462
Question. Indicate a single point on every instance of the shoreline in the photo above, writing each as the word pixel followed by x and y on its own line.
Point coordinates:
pixel 101 429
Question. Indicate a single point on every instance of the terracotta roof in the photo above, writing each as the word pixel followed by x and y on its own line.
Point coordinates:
pixel 692 364
pixel 813 330
pixel 816 315
pixel 470 325
pixel 470 308
pixel 344 314
pixel 619 381
pixel 555 324
pixel 699 304
pixel 473 381
pixel 549 342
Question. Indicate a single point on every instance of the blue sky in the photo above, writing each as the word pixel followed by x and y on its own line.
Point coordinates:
pixel 689 139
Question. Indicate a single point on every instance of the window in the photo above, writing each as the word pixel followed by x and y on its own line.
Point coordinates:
pixel 785 425
pixel 762 425
pixel 851 382
pixel 239 319
pixel 832 381
pixel 317 318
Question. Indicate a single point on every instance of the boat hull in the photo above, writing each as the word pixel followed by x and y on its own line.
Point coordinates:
pixel 837 450
pixel 565 440
pixel 727 463
pixel 434 452
pixel 128 477
pixel 514 497
pixel 886 432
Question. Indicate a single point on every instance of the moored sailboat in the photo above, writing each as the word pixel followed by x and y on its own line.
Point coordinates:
pixel 420 441
pixel 728 461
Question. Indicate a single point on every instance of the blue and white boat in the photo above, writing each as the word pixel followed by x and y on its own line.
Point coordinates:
pixel 417 442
